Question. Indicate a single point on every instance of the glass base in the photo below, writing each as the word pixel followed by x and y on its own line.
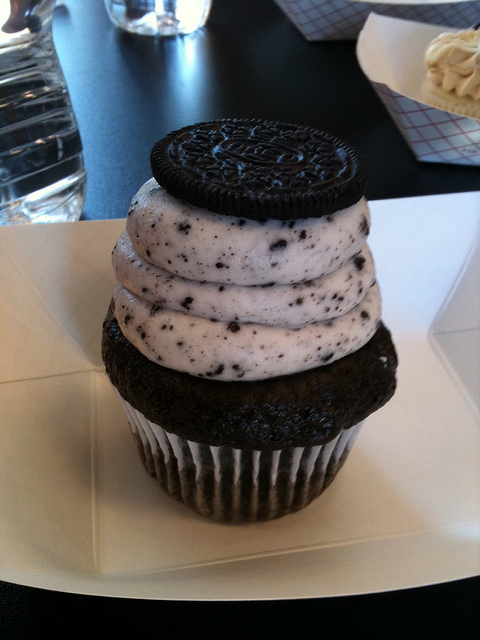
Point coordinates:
pixel 61 202
pixel 154 18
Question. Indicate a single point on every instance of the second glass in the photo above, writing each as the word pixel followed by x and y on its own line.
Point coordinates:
pixel 159 17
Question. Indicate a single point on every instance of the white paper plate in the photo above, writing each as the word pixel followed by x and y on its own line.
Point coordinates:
pixel 78 512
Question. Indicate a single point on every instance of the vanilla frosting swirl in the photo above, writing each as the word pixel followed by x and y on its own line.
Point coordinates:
pixel 452 61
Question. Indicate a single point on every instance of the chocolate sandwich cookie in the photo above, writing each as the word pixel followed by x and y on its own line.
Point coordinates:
pixel 259 169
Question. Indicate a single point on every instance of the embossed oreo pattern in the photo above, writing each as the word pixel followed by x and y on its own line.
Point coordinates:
pixel 259 169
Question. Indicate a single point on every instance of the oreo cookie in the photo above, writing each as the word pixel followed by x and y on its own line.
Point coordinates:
pixel 259 169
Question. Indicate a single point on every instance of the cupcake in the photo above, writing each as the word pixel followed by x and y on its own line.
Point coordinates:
pixel 452 62
pixel 244 337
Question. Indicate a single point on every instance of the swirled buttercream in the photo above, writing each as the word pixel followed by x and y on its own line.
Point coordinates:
pixel 288 305
pixel 240 299
pixel 248 351
pixel 200 245
pixel 452 62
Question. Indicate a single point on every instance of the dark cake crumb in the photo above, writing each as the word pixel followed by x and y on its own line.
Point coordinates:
pixel 279 244
pixel 359 262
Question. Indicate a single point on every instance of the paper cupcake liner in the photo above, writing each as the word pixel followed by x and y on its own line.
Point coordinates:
pixel 343 19
pixel 233 485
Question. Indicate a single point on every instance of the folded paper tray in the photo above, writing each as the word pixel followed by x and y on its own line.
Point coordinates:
pixel 391 52
pixel 343 19
pixel 79 513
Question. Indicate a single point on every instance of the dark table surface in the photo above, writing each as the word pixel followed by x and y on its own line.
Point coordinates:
pixel 127 92
pixel 249 61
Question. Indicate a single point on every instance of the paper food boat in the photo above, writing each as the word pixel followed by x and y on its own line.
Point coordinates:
pixel 390 52
pixel 343 19
pixel 79 513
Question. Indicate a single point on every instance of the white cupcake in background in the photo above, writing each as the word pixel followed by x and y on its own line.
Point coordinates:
pixel 452 62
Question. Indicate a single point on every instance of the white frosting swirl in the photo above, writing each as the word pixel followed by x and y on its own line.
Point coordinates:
pixel 288 305
pixel 200 245
pixel 453 63
pixel 237 299
pixel 233 351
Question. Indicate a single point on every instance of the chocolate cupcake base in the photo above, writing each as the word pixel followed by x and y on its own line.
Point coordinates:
pixel 234 485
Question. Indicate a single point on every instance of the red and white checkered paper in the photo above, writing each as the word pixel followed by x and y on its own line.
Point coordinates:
pixel 343 19
pixel 433 135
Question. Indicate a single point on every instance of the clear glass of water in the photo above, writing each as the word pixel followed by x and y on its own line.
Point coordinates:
pixel 159 17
